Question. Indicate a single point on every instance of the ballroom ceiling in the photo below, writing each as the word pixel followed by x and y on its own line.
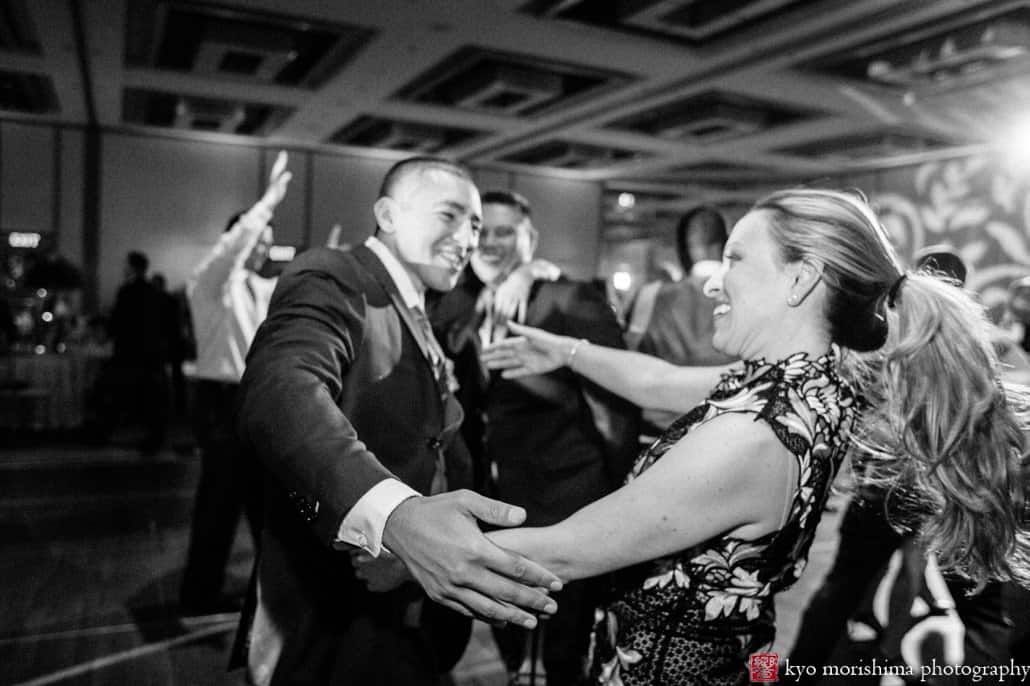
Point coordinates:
pixel 660 97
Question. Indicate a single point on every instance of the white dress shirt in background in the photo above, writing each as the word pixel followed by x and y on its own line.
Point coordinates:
pixel 227 301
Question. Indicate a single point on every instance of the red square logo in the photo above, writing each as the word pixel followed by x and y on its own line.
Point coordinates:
pixel 765 668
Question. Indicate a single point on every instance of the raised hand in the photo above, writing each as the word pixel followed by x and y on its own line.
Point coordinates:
pixel 511 296
pixel 439 540
pixel 278 179
pixel 533 351
pixel 334 237
pixel 380 574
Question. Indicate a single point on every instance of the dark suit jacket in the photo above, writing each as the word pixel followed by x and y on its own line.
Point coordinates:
pixel 337 396
pixel 681 326
pixel 558 440
pixel 138 325
pixel 680 331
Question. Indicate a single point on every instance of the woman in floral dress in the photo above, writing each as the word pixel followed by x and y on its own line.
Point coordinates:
pixel 718 514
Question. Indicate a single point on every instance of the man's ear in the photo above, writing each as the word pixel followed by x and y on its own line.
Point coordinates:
pixel 383 210
pixel 806 277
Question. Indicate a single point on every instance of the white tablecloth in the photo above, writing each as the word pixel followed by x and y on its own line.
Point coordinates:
pixel 64 381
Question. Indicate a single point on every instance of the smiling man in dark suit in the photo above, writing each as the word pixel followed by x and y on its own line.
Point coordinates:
pixel 346 402
pixel 555 442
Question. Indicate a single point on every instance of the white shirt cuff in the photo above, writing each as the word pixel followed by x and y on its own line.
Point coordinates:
pixel 363 526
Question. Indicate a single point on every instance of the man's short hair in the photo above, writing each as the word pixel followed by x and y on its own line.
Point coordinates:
pixel 509 199
pixel 413 165
pixel 138 262
pixel 703 219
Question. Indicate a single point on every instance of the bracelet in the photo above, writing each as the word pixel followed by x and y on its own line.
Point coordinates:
pixel 572 352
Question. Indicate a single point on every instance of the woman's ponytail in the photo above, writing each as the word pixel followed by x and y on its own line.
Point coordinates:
pixel 949 435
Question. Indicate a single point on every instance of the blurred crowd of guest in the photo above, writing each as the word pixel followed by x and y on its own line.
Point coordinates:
pixel 44 320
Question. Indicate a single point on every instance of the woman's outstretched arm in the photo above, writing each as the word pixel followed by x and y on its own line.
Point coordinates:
pixel 642 379
pixel 730 474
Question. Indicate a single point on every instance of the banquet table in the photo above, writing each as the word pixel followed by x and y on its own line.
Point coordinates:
pixel 48 390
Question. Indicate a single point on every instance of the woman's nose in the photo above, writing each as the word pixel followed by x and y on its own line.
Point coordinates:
pixel 713 286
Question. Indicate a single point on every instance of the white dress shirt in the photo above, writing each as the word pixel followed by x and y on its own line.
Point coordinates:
pixel 227 301
pixel 363 526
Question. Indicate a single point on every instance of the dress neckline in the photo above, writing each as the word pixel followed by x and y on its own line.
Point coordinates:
pixel 828 360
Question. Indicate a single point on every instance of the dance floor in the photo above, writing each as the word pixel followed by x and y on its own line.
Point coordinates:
pixel 92 542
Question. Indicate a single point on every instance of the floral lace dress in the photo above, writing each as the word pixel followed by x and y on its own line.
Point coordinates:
pixel 695 617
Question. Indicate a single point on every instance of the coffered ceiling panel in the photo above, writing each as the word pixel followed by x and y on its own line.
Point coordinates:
pixel 17 29
pixel 668 97
pixel 234 43
pixel 971 47
pixel 875 145
pixel 395 134
pixel 692 21
pixel 155 108
pixel 708 117
pixel 26 93
pixel 507 84
pixel 571 155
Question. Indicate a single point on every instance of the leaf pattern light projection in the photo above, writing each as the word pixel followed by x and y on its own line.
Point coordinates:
pixel 979 205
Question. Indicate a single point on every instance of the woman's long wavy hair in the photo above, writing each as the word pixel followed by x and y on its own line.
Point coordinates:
pixel 941 434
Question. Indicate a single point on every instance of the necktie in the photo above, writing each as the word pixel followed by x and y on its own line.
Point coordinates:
pixel 436 356
pixel 441 372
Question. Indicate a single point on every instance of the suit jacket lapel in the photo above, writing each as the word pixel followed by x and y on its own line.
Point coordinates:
pixel 371 262
pixel 452 411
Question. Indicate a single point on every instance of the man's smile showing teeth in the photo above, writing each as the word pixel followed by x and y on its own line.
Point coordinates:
pixel 454 259
pixel 720 309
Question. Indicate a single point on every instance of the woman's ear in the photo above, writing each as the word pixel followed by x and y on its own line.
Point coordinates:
pixel 383 210
pixel 806 277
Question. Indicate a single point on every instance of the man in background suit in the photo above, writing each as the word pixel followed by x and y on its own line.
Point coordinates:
pixel 674 321
pixel 346 402
pixel 135 381
pixel 554 442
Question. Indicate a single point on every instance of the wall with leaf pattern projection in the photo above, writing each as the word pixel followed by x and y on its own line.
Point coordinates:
pixel 978 204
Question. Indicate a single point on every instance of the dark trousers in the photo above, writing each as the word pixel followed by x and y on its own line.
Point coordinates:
pixel 867 542
pixel 178 386
pixel 229 486
pixel 564 636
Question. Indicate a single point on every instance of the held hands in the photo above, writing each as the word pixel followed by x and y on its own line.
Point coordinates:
pixel 380 574
pixel 533 351
pixel 439 541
